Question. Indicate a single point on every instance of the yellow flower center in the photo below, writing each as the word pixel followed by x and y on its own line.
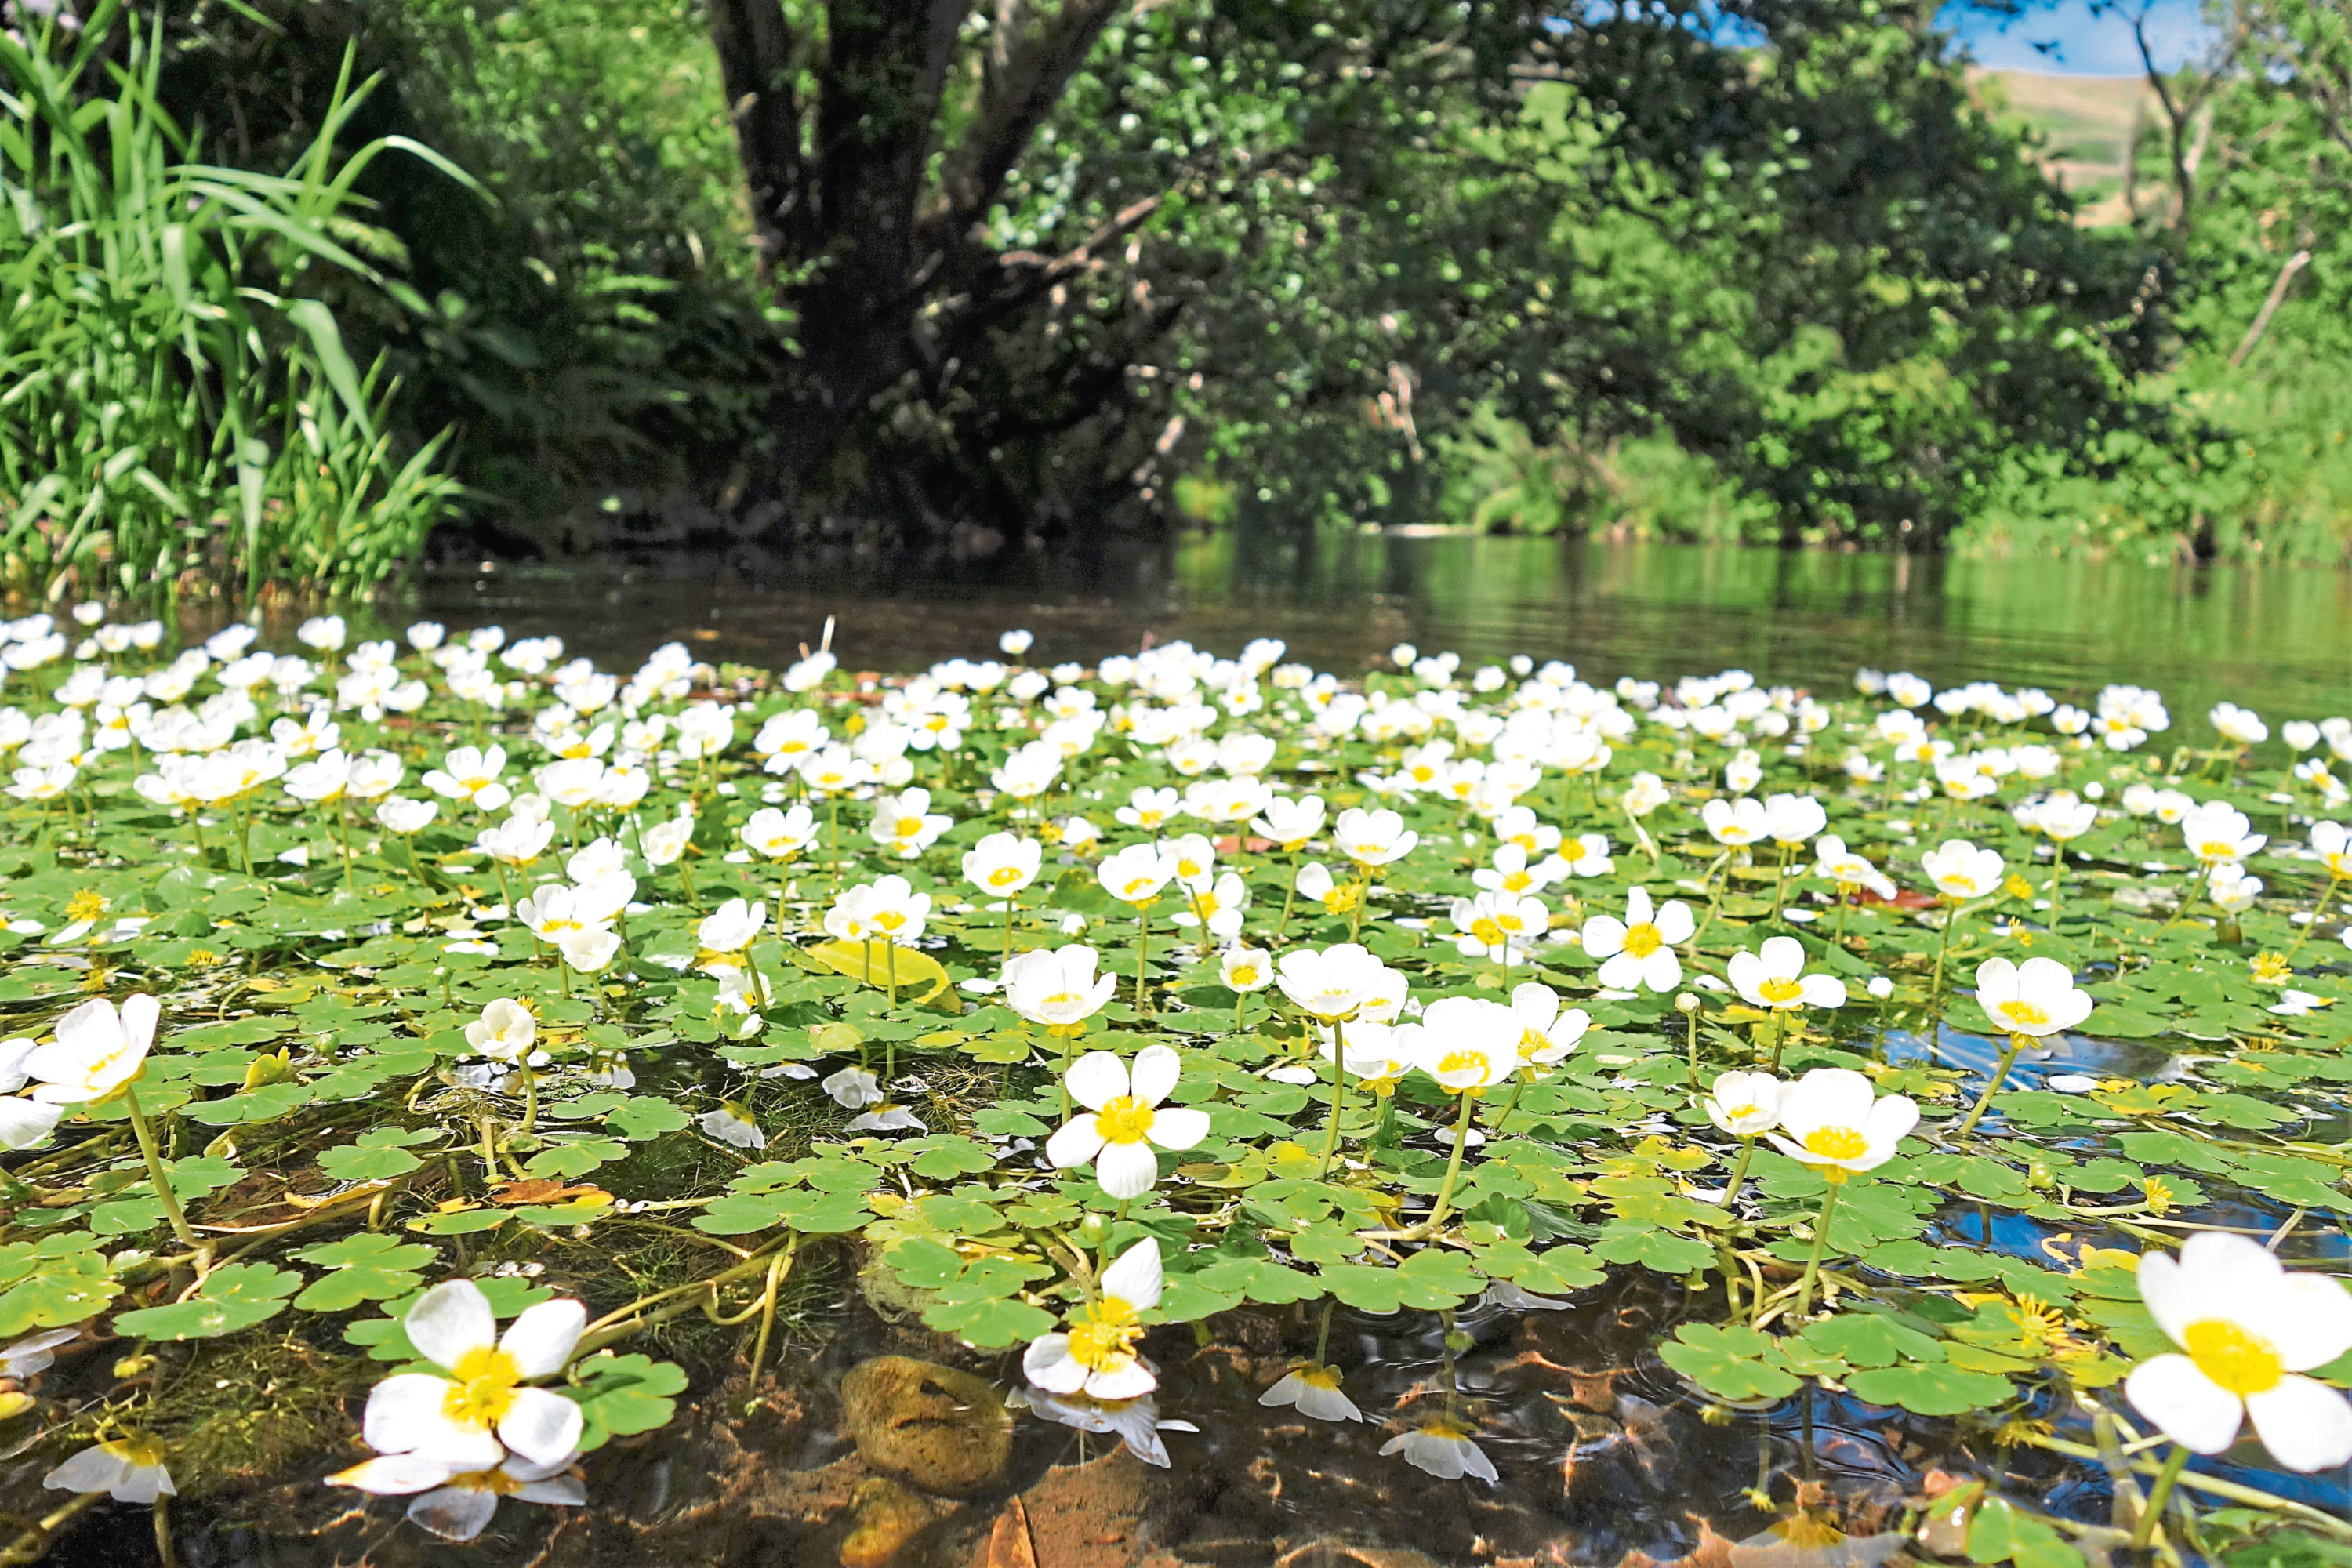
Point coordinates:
pixel 889 920
pixel 1126 1120
pixel 1102 1336
pixel 1777 991
pixel 1643 940
pixel 2239 1362
pixel 86 905
pixel 908 826
pixel 481 1389
pixel 1464 1061
pixel 1320 1377
pixel 1244 975
pixel 1486 929
pixel 1837 1142
pixel 1005 876
pixel 2023 1015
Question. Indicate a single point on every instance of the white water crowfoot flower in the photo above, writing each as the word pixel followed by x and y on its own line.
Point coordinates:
pixel 1095 1355
pixel 1330 984
pixel 128 1469
pixel 1057 987
pixel 1961 871
pixel 1773 978
pixel 456 1504
pixel 505 1032
pixel 1314 1391
pixel 24 1122
pixel 1639 950
pixel 1443 1449
pixel 2249 1327
pixel 1833 1120
pixel 1745 1104
pixel 1123 1122
pixel 1546 1033
pixel 853 1089
pixel 97 1051
pixel 482 1403
pixel 2027 1000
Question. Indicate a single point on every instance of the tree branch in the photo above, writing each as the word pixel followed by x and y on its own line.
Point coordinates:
pixel 755 64
pixel 1028 66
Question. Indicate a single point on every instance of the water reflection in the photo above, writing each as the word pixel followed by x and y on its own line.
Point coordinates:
pixel 2279 640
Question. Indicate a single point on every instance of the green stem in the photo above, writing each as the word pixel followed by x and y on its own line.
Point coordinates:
pixel 1820 1245
pixel 1323 1331
pixel 2317 910
pixel 1944 942
pixel 2159 1493
pixel 155 1171
pixel 1008 928
pixel 1338 1095
pixel 1143 949
pixel 1494 1128
pixel 1992 1085
pixel 1452 1168
pixel 1240 1001
pixel 1740 1171
pixel 530 1096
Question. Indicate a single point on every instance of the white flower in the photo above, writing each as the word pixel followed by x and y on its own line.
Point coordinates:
pixel 1961 871
pixel 732 927
pixel 1245 968
pixel 1640 949
pixel 1792 819
pixel 1136 874
pixel 1835 862
pixel 2036 997
pixel 1016 643
pixel 905 822
pixel 1056 987
pixel 1735 824
pixel 1833 1118
pixel 1002 864
pixel 1443 1449
pixel 1313 1391
pixel 589 949
pixel 1136 1421
pixel 517 841
pixel 324 632
pixel 1746 1104
pixel 731 1124
pixel 405 817
pixel 2219 833
pixel 1644 795
pixel 2249 1326
pixel 1095 1355
pixel 2242 725
pixel 2332 842
pixel 1546 1033
pixel 97 1050
pixel 1467 1043
pixel 505 1032
pixel 1123 1120
pixel 779 835
pixel 664 842
pixel 853 1089
pixel 1330 984
pixel 128 1469
pixel 1372 837
pixel 1147 808
pixel 1491 922
pixel 1586 854
pixel 485 1405
pixel 1773 977
pixel 886 1118
pixel 34 1353
pixel 1289 822
pixel 467 772
pixel 458 1504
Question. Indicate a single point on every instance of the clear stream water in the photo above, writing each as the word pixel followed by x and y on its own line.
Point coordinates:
pixel 2279 641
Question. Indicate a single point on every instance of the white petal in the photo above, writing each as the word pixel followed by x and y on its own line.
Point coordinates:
pixel 1127 1169
pixel 92 1470
pixel 540 1425
pixel 1046 1362
pixel 394 1475
pixel 2193 1410
pixel 541 1340
pixel 405 1414
pixel 450 1320
pixel 455 1513
pixel 24 1122
pixel 1132 1381
pixel 1075 1142
pixel 1156 1069
pixel 561 1492
pixel 1180 1127
pixel 2304 1423
pixel 1135 1277
pixel 1097 1079
pixel 2310 1322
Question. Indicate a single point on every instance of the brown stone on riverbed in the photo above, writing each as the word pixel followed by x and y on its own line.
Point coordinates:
pixel 934 1428
pixel 1078 1516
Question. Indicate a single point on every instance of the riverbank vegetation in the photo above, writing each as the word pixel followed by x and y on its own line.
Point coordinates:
pixel 750 273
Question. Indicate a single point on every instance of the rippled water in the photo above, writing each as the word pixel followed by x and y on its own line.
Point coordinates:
pixel 2278 640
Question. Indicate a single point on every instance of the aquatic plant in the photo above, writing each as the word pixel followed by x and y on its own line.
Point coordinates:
pixel 300 1048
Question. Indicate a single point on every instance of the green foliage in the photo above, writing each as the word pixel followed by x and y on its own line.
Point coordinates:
pixel 178 412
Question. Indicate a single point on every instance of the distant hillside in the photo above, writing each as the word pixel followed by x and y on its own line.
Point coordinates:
pixel 2087 121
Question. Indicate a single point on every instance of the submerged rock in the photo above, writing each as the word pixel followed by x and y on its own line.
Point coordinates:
pixel 934 1428
pixel 884 1516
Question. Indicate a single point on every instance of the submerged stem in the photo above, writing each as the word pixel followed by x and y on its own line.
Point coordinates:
pixel 1992 1085
pixel 155 1171
pixel 1821 1243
